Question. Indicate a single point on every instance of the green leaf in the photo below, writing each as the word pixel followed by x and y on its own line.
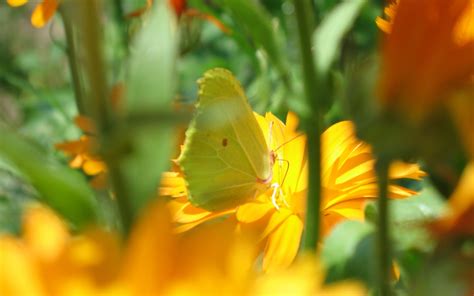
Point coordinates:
pixel 152 65
pixel 344 244
pixel 130 6
pixel 150 90
pixel 62 188
pixel 10 215
pixel 328 36
pixel 410 215
pixel 257 23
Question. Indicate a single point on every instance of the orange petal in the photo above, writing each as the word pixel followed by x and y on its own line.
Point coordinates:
pixel 172 185
pixel 44 232
pixel 190 225
pixel 253 211
pixel 283 244
pixel 43 12
pixel 402 170
pixel 16 3
pixel 210 18
pixel 350 213
pixel 93 167
pixel 99 181
pixel 384 25
pixel 74 147
pixel 77 161
pixel 85 124
pixel 149 253
pixel 18 275
pixel 186 212
pixel 188 216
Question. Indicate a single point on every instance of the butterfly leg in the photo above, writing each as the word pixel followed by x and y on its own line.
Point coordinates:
pixel 275 187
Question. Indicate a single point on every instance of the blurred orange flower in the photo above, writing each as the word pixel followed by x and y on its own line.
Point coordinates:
pixel 277 215
pixel 82 153
pixel 427 54
pixel 43 12
pixel 48 260
pixel 459 218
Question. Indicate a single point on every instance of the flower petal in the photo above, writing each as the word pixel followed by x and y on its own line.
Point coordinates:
pixel 18 275
pixel 16 3
pixel 93 167
pixel 44 232
pixel 253 211
pixel 43 12
pixel 149 252
pixel 283 244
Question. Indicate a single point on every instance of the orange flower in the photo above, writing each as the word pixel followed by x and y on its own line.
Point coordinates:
pixel 43 12
pixel 348 182
pixel 427 54
pixel 82 153
pixel 458 220
pixel 389 11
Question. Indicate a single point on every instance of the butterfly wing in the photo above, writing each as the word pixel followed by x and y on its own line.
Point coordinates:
pixel 225 158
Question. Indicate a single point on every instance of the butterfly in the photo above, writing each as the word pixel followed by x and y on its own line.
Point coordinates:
pixel 225 158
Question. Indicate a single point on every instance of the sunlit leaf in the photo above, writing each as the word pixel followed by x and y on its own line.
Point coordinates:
pixel 409 217
pixel 150 89
pixel 257 23
pixel 328 36
pixel 346 243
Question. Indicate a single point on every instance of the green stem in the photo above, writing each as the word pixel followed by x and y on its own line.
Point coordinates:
pixel 383 235
pixel 120 20
pixel 97 102
pixel 312 123
pixel 72 60
pixel 121 51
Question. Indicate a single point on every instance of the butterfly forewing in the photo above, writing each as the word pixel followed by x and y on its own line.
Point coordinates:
pixel 225 157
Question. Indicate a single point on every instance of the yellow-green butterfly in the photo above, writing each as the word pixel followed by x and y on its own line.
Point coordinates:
pixel 225 158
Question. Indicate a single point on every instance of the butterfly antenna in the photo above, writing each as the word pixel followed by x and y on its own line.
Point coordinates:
pixel 275 187
pixel 286 171
pixel 283 144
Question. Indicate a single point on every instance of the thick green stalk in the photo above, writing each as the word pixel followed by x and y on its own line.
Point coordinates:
pixel 383 235
pixel 313 124
pixel 72 60
pixel 123 27
pixel 97 101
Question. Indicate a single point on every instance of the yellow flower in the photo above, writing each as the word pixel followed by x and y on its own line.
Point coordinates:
pixel 427 55
pixel 47 260
pixel 305 277
pixel 212 260
pixel 348 182
pixel 82 153
pixel 43 12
